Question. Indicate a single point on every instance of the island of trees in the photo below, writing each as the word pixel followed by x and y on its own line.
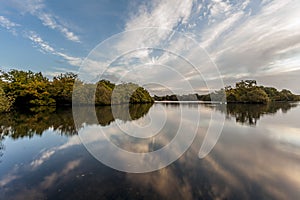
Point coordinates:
pixel 26 89
pixel 244 92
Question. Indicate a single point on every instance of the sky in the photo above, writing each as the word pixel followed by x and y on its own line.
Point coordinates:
pixel 164 45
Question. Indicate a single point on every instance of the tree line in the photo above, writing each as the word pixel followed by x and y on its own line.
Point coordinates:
pixel 244 92
pixel 24 89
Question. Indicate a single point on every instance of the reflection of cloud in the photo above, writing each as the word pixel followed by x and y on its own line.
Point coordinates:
pixel 225 174
pixel 111 146
pixel 52 178
pixel 242 166
pixel 44 156
pixel 238 164
pixel 74 140
pixel 18 171
pixel 290 138
pixel 36 192
pixel 10 176
pixel 7 179
pixel 256 159
pixel 70 166
pixel 32 193
pixel 165 183
pixel 49 180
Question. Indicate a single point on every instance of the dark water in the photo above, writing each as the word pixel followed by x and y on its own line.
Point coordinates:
pixel 257 154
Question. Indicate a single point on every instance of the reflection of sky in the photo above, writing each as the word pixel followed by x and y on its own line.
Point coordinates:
pixel 247 162
pixel 18 151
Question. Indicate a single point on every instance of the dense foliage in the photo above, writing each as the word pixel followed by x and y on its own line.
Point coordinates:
pixel 244 92
pixel 248 91
pixel 107 93
pixel 25 89
pixel 5 101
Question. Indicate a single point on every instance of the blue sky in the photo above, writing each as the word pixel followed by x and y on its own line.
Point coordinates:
pixel 232 40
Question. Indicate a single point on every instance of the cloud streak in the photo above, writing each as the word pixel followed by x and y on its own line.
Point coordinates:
pixel 251 41
pixel 38 9
pixel 46 48
pixel 38 42
pixel 8 25
pixel 246 39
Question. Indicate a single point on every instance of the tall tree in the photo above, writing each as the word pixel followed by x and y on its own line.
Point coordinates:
pixel 62 88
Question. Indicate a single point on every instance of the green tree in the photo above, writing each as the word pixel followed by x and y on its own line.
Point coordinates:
pixel 286 95
pixel 62 88
pixel 104 92
pixel 257 95
pixel 5 101
pixel 27 88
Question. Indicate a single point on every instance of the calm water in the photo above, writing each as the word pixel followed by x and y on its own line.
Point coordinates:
pixel 257 154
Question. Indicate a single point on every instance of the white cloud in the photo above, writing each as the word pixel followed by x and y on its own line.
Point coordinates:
pixel 244 38
pixel 211 34
pixel 45 47
pixel 38 9
pixel 75 61
pixel 165 15
pixel 139 34
pixel 248 39
pixel 8 25
pixel 265 38
pixel 49 21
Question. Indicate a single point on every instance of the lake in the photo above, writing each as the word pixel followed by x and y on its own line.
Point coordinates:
pixel 250 152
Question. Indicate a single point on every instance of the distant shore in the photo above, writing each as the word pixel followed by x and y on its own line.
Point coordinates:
pixel 244 92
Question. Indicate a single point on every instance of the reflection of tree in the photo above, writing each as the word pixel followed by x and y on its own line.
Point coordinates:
pixel 1 147
pixel 27 124
pixel 251 113
pixel 108 114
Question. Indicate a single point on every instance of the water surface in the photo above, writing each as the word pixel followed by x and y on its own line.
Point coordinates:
pixel 257 155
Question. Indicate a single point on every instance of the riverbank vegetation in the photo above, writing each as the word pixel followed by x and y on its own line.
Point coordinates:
pixel 244 92
pixel 26 89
